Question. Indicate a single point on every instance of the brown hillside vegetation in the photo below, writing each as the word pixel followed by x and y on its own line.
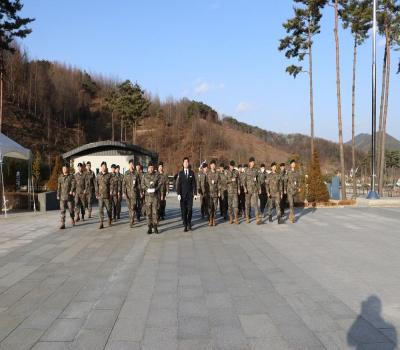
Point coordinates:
pixel 52 108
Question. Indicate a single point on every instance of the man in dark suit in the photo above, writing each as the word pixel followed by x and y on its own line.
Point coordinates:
pixel 186 189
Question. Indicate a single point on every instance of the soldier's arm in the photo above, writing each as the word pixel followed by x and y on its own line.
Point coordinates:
pixel 124 185
pixel 194 185
pixel 96 186
pixel 58 188
pixel 73 185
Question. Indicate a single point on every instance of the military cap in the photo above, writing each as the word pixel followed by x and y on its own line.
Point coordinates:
pixel 103 163
pixel 245 166
pixel 131 161
pixel 79 164
pixel 273 164
pixel 204 165
pixel 88 163
pixel 262 165
pixel 66 165
pixel 252 159
pixel 282 164
pixel 240 166
pixel 117 166
pixel 292 161
pixel 161 164
pixel 150 164
pixel 232 163
pixel 113 166
pixel 213 162
pixel 222 165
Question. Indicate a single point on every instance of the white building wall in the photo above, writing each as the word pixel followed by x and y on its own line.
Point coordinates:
pixel 121 160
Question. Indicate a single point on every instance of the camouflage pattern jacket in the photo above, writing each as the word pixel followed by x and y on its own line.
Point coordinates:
pixel 164 182
pixel 90 179
pixel 203 187
pixel 115 184
pixel 262 177
pixel 151 185
pixel 213 181
pixel 251 181
pixel 274 184
pixel 233 181
pixel 102 185
pixel 81 183
pixel 65 185
pixel 131 184
pixel 292 181
pixel 223 180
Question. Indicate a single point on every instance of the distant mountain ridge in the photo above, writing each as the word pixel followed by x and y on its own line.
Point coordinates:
pixel 363 143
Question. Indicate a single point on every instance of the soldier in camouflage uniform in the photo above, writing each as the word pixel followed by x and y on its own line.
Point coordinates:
pixel 119 199
pixel 140 195
pixel 130 190
pixel 65 194
pixel 90 178
pixel 242 195
pixel 114 190
pixel 203 190
pixel 292 188
pixel 163 192
pixel 214 185
pixel 262 176
pixel 103 193
pixel 274 191
pixel 80 192
pixel 283 174
pixel 252 190
pixel 151 186
pixel 233 192
pixel 223 199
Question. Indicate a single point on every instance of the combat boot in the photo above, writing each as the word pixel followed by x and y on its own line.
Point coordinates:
pixel 150 231
pixel 101 225
pixel 109 221
pixel 209 222
pixel 90 213
pixel 132 222
pixel 270 218
pixel 258 219
pixel 247 218
pixel 62 226
pixel 83 217
pixel 280 221
pixel 213 222
pixel 230 219
pixel 77 218
pixel 156 230
pixel 291 218
pixel 72 221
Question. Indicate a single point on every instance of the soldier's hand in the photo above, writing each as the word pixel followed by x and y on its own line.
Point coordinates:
pixel 179 197
pixel 58 198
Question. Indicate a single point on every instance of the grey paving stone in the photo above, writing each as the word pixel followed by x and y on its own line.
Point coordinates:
pixel 122 345
pixel 52 346
pixel 77 309
pixel 21 339
pixel 258 326
pixel 193 327
pixel 62 330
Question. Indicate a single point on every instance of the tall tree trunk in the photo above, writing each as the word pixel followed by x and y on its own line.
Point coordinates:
pixel 310 63
pixel 353 117
pixel 379 138
pixel 112 125
pixel 384 119
pixel 339 101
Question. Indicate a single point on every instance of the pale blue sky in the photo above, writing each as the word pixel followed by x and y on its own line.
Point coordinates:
pixel 222 52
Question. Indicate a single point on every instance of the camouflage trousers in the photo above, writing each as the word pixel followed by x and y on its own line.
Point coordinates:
pixel 152 210
pixel 64 204
pixel 233 203
pixel 275 201
pixel 89 201
pixel 223 203
pixel 131 202
pixel 104 203
pixel 204 205
pixel 116 206
pixel 80 200
pixel 252 202
pixel 290 197
pixel 212 207
pixel 162 203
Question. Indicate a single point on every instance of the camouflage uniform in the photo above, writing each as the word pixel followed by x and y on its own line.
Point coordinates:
pixel 252 190
pixel 115 190
pixel 80 194
pixel 130 188
pixel 223 199
pixel 90 178
pixel 204 191
pixel 274 190
pixel 66 186
pixel 262 176
pixel 102 185
pixel 283 200
pixel 162 195
pixel 119 202
pixel 139 197
pixel 151 186
pixel 242 195
pixel 233 199
pixel 292 188
pixel 213 181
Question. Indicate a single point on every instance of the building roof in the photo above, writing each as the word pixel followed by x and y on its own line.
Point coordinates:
pixel 9 148
pixel 107 145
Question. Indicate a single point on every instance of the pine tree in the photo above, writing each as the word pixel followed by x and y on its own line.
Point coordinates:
pixel 57 169
pixel 356 15
pixel 317 190
pixel 36 166
pixel 11 26
pixel 299 43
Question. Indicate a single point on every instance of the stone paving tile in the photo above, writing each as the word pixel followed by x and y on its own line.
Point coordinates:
pixel 303 286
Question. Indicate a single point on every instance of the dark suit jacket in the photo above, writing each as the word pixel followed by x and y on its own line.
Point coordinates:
pixel 187 186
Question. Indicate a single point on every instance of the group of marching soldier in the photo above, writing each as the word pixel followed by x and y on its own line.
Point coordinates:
pixel 240 189
pixel 75 192
pixel 237 190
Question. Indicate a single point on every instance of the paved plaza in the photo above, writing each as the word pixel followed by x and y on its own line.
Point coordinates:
pixel 331 281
